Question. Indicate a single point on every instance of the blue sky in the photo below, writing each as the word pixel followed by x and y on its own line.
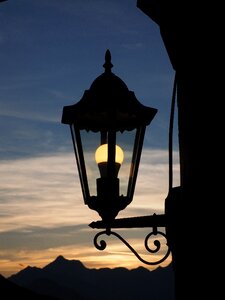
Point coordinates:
pixel 50 52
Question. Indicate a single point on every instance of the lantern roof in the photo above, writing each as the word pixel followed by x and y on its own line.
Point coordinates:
pixel 108 104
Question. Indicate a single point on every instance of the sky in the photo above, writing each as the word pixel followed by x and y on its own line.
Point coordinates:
pixel 50 52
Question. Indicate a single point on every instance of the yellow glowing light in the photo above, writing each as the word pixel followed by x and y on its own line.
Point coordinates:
pixel 101 154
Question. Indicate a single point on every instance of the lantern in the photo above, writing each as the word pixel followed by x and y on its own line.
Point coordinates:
pixel 108 127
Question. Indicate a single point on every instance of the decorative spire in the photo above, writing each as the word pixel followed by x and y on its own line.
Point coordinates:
pixel 108 65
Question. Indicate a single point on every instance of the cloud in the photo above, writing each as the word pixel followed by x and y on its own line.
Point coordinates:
pixel 40 190
pixel 43 215
pixel 46 190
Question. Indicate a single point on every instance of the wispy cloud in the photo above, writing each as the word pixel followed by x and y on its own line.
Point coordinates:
pixel 40 190
pixel 47 189
pixel 42 210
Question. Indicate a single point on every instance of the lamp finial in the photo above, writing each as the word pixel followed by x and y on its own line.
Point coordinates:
pixel 108 65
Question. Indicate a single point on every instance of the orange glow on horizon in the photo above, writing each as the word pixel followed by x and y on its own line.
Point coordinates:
pixel 112 257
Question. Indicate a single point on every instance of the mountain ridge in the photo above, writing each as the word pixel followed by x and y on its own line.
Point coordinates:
pixel 10 290
pixel 70 279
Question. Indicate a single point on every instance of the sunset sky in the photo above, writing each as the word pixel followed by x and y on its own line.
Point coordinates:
pixel 50 52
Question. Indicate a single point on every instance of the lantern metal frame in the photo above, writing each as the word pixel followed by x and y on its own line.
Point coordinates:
pixel 108 108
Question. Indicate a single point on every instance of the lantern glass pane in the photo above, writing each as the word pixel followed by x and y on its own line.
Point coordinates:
pixel 126 141
pixel 91 141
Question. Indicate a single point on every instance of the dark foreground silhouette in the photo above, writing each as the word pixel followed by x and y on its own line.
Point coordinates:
pixel 71 280
pixel 10 290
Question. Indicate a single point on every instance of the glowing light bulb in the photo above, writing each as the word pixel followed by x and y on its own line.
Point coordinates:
pixel 101 154
pixel 101 158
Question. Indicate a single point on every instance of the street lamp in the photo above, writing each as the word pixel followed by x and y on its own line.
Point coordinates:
pixel 108 127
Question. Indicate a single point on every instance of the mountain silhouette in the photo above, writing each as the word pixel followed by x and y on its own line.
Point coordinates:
pixel 10 290
pixel 71 280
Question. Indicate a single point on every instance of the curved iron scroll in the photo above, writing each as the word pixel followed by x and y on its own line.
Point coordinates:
pixel 101 245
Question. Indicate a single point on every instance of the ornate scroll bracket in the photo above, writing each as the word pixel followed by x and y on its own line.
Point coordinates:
pixel 101 245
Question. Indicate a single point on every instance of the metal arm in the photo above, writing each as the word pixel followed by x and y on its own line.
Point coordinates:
pixel 153 221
